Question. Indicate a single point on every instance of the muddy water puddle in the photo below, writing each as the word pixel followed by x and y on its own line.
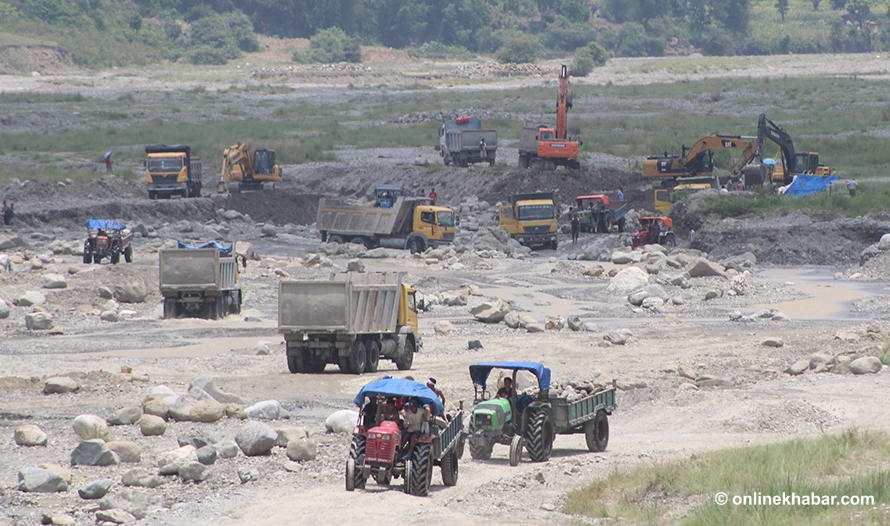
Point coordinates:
pixel 828 299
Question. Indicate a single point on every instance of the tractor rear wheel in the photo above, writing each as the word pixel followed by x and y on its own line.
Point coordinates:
pixel 449 468
pixel 373 347
pixel 357 456
pixel 358 358
pixel 622 225
pixel 670 241
pixel 596 432
pixel 539 441
pixel 128 254
pixel 404 363
pixel 516 450
pixel 480 449
pixel 421 471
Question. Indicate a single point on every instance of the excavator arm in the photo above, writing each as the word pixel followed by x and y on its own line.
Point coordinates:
pixel 563 103
pixel 768 130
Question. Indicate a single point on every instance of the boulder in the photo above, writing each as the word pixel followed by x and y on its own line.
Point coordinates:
pixel 593 272
pixel 490 311
pixel 444 327
pixel 4 310
pixel 132 291
pixel 30 435
pixel 622 258
pixel 534 327
pixel 701 267
pixel 137 477
pixel 773 342
pixel 126 451
pixel 37 480
pixel 207 411
pixel 208 384
pixel 512 320
pixel 474 344
pixel 256 438
pixel 687 372
pixel 54 281
pixel 39 321
pixel 615 338
pixel 181 411
pixel 265 410
pixel 653 304
pixel 60 385
pixel 627 280
pixel 90 426
pixel 125 416
pixel 286 434
pixel 236 411
pixel 193 471
pixel 526 320
pixel 555 324
pixel 155 405
pixel 109 315
pixel 575 324
pixel 93 452
pixel 197 441
pixel 95 489
pixel 30 298
pixel 227 449
pixel 115 515
pixel 714 293
pixel 649 291
pixel 63 472
pixel 341 421
pixel 152 425
pixel 207 455
pixel 865 365
pixel 170 461
pixel 820 362
pixel 302 449
pixel 355 265
pixel 711 381
pixel 798 367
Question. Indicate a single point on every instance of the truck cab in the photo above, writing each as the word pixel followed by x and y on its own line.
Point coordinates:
pixel 171 170
pixel 531 219
pixel 434 222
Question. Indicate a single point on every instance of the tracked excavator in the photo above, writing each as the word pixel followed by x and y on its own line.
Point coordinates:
pixel 793 162
pixel 698 160
pixel 245 172
pixel 546 144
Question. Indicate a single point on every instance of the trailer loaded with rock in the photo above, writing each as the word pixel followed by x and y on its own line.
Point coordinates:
pixel 352 319
pixel 381 448
pixel 523 420
pixel 200 281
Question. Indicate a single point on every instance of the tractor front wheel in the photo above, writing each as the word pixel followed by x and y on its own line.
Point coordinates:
pixel 516 450
pixel 357 456
pixel 480 448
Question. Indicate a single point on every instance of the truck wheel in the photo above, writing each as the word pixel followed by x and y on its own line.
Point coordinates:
pixel 198 189
pixel 515 450
pixel 295 363
pixel 169 309
pixel 236 302
pixel 373 347
pixel 622 225
pixel 358 358
pixel 314 365
pixel 358 240
pixel 421 471
pixel 357 456
pixel 152 195
pixel 480 449
pixel 554 244
pixel 128 254
pixel 115 253
pixel 446 160
pixel 185 192
pixel 87 257
pixel 491 162
pixel 539 441
pixel 596 432
pixel 449 468
pixel 212 310
pixel 415 245
pixel 404 363
pixel 335 239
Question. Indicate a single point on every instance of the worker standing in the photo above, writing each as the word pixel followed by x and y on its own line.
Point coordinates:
pixel 433 197
pixel 483 148
pixel 851 186
pixel 108 162
pixel 620 195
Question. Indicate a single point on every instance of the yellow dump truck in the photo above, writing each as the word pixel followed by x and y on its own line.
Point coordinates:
pixel 531 219
pixel 171 170
pixel 351 319
pixel 410 223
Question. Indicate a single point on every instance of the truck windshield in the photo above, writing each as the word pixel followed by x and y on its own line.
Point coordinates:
pixel 445 218
pixel 166 164
pixel 537 212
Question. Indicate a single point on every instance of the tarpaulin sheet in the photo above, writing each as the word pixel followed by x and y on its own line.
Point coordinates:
pixel 808 185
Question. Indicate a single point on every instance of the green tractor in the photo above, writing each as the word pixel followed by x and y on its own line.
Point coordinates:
pixel 532 422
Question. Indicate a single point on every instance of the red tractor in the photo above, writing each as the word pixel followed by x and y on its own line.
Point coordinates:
pixel 655 231
pixel 381 448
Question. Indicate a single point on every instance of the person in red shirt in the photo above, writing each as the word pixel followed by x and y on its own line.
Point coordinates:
pixel 108 163
pixel 433 196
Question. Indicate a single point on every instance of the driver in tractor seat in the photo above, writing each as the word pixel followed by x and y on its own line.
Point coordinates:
pixel 416 423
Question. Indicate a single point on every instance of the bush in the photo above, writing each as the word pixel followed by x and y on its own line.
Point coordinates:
pixel 520 50
pixel 634 42
pixel 488 41
pixel 333 45
pixel 207 56
pixel 136 22
pixel 436 49
pixel 587 58
pixel 567 36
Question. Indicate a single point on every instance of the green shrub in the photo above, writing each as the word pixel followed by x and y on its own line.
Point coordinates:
pixel 567 36
pixel 436 49
pixel 333 45
pixel 206 55
pixel 136 22
pixel 520 50
pixel 587 58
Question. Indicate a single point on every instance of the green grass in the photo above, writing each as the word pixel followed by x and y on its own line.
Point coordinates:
pixel 870 198
pixel 852 463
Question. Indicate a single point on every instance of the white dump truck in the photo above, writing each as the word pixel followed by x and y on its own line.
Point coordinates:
pixel 200 281
pixel 352 319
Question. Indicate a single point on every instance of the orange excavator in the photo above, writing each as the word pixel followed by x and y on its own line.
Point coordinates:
pixel 542 143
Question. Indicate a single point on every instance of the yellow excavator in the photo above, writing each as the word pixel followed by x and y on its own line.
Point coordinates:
pixel 246 171
pixel 698 160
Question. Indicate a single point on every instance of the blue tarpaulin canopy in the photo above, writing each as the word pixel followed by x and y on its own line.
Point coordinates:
pixel 808 185
pixel 105 224
pixel 479 372
pixel 210 244
pixel 399 387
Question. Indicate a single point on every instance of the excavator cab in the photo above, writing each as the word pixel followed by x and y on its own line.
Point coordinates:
pixel 263 161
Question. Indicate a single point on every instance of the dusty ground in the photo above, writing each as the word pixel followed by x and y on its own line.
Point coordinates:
pixel 657 417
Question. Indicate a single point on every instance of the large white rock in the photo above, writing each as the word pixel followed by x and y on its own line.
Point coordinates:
pixel 256 438
pixel 37 480
pixel 208 384
pixel 265 410
pixel 30 435
pixel 443 327
pixel 132 291
pixel 702 267
pixel 865 365
pixel 88 427
pixel 60 385
pixel 30 298
pixel 490 311
pixel 341 421
pixel 38 321
pixel 649 291
pixel 302 449
pixel 54 281
pixel 170 461
pixel 4 310
pixel 884 243
pixel 628 280
pixel 622 258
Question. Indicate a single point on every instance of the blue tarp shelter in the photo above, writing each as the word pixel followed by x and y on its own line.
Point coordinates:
pixel 210 244
pixel 105 224
pixel 400 387
pixel 808 185
pixel 479 372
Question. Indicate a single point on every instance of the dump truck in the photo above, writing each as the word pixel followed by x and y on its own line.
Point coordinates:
pixel 530 219
pixel 241 171
pixel 352 319
pixel 171 170
pixel 460 142
pixel 596 214
pixel 547 144
pixel 200 281
pixel 524 421
pixel 380 449
pixel 411 222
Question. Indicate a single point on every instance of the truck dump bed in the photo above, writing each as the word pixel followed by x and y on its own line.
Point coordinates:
pixel 346 303
pixel 196 269
pixel 470 139
pixel 336 215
